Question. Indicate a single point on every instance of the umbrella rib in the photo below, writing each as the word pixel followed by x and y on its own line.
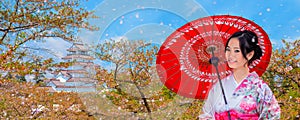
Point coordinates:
pixel 188 34
pixel 184 84
pixel 169 77
pixel 176 81
pixel 171 67
pixel 212 31
pixel 193 88
pixel 222 27
pixel 204 29
pixel 174 47
pixel 229 27
pixel 167 61
pixel 165 54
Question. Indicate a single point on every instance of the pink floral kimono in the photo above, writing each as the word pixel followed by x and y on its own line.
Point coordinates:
pixel 251 99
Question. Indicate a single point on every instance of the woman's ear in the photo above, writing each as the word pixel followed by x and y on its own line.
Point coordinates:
pixel 250 55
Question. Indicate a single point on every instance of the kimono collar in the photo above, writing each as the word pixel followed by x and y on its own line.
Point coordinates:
pixel 247 83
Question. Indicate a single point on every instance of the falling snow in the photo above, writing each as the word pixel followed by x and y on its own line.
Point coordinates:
pixel 161 23
pixel 137 15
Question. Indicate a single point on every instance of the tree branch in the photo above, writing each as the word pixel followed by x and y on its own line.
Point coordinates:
pixel 19 28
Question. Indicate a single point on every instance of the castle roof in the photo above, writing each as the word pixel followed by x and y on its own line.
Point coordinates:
pixel 77 47
pixel 81 79
pixel 73 56
pixel 76 71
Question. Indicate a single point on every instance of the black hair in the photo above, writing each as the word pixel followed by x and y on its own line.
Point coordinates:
pixel 248 42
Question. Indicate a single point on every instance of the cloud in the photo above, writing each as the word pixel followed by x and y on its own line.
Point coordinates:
pixel 291 39
pixel 119 38
pixel 49 48
pixel 57 46
pixel 89 37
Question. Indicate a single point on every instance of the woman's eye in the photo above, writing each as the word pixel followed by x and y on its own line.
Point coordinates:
pixel 236 51
pixel 227 49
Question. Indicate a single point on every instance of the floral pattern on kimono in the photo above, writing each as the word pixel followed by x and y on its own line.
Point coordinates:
pixel 251 97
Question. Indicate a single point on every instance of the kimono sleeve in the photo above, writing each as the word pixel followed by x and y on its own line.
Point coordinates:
pixel 268 107
pixel 207 109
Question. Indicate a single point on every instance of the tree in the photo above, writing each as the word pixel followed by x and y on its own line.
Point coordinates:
pixel 283 76
pixel 27 101
pixel 22 21
pixel 132 83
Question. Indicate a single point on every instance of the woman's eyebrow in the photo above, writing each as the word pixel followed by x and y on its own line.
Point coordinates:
pixel 233 47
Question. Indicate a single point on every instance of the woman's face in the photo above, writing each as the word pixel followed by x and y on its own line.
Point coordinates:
pixel 234 55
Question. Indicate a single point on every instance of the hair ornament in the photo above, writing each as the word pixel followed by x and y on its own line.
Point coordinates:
pixel 253 39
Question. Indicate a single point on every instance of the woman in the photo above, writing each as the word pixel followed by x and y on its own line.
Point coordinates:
pixel 247 95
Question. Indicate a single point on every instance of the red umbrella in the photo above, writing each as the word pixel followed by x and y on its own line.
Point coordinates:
pixel 183 59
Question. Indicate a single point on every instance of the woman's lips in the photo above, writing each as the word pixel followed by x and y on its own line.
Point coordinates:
pixel 231 61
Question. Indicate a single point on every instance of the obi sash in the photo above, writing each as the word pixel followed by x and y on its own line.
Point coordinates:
pixel 235 116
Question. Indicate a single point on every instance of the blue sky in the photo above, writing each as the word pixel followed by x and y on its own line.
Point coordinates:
pixel 154 20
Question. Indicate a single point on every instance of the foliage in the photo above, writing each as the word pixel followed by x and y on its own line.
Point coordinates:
pixel 24 21
pixel 132 70
pixel 28 101
pixel 193 110
pixel 283 76
pixel 129 89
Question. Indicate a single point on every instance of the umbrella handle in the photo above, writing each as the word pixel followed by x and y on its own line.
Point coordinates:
pixel 215 60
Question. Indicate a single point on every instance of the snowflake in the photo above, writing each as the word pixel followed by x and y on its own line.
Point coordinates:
pixel 137 15
pixel 161 23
